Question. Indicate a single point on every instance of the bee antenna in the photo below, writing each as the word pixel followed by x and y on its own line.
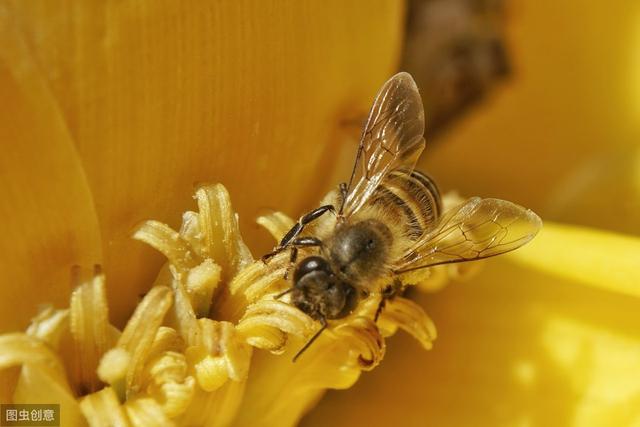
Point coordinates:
pixel 311 341
pixel 281 294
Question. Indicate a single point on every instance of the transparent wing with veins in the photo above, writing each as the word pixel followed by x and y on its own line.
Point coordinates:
pixel 392 138
pixel 477 229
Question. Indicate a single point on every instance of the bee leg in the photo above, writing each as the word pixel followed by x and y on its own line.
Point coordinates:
pixel 383 302
pixel 297 229
pixel 266 257
pixel 343 196
pixel 300 242
pixel 389 292
pixel 303 221
pixel 292 260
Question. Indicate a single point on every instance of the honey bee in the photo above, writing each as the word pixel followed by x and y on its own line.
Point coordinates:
pixel 387 222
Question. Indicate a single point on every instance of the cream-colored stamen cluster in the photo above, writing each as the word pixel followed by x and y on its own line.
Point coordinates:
pixel 207 345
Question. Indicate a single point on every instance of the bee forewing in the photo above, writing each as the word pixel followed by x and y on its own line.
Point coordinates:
pixel 392 138
pixel 477 229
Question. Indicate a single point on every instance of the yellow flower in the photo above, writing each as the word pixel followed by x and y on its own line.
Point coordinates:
pixel 185 355
pixel 112 112
pixel 116 109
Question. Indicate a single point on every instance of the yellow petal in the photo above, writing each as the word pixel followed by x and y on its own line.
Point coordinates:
pixel 249 285
pixel 46 209
pixel 167 366
pixel 166 339
pixel 37 386
pixel 49 325
pixel 174 397
pixel 164 239
pixel 137 338
pixel 364 341
pixel 102 409
pixel 169 384
pixel 410 317
pixel 335 360
pixel 591 257
pixel 275 314
pixel 211 364
pixel 113 369
pixel 516 346
pixel 17 349
pixel 221 338
pixel 89 326
pixel 146 412
pixel 215 409
pixel 219 226
pixel 201 283
pixel 331 362
pixel 153 111
pixel 8 380
pixel 182 316
pixel 210 371
pixel 277 224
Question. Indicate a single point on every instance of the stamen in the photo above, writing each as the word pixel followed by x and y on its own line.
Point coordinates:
pixel 174 363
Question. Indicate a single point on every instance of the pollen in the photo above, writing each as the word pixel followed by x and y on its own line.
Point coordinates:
pixel 208 344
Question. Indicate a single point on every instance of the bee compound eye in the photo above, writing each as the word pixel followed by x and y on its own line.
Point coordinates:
pixel 311 264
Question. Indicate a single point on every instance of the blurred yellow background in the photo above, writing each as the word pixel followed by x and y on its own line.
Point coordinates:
pixel 562 135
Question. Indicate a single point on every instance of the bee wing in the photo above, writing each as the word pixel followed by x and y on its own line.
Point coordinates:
pixel 392 138
pixel 477 229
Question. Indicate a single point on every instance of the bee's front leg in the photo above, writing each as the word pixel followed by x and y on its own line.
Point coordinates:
pixel 389 292
pixel 300 242
pixel 293 233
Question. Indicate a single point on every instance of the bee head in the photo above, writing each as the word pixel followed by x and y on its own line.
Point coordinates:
pixel 318 292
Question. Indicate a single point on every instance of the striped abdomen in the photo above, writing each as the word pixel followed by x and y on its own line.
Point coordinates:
pixel 411 199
